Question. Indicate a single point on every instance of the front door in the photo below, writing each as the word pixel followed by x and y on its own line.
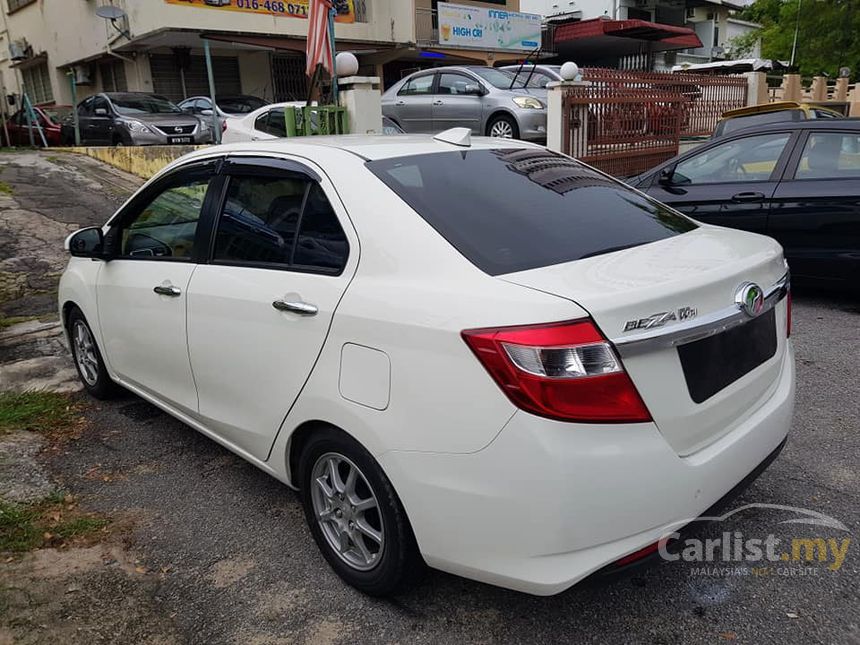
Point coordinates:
pixel 259 312
pixel 413 105
pixel 728 184
pixel 816 208
pixel 457 103
pixel 100 122
pixel 143 289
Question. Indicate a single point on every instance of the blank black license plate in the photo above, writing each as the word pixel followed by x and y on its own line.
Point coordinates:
pixel 180 139
pixel 713 363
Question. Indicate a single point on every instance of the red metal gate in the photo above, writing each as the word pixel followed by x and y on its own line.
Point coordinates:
pixel 622 131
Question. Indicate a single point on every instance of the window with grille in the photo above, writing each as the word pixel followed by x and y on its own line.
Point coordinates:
pixel 37 83
pixel 14 5
pixel 113 77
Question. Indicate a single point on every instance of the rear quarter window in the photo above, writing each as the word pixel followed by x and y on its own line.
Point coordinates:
pixel 517 209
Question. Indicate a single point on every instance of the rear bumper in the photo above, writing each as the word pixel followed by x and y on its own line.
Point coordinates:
pixel 548 503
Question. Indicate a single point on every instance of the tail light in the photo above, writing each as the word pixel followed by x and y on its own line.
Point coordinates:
pixel 566 371
pixel 223 126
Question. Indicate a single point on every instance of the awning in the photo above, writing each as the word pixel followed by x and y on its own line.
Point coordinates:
pixel 282 43
pixel 605 37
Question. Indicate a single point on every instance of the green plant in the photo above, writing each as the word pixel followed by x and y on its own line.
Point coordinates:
pixel 35 410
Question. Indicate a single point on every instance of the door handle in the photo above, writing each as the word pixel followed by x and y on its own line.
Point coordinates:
pixel 296 307
pixel 400 103
pixel 167 290
pixel 438 102
pixel 748 197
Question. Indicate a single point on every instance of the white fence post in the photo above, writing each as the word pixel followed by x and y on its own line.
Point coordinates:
pixel 362 98
pixel 756 88
pixel 556 92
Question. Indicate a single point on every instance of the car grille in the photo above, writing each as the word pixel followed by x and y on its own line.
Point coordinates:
pixel 713 363
pixel 175 130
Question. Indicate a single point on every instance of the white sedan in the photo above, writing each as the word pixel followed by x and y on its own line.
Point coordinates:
pixel 262 124
pixel 477 355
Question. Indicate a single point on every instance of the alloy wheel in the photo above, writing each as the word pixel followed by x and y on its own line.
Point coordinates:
pixel 502 129
pixel 347 511
pixel 85 353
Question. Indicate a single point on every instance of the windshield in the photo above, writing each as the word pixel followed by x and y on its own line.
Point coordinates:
pixel 495 77
pixel 239 104
pixel 517 209
pixel 132 104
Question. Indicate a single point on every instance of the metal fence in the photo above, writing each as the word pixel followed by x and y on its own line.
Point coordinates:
pixel 622 131
pixel 707 96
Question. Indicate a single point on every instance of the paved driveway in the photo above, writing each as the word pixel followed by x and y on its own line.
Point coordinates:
pixel 221 552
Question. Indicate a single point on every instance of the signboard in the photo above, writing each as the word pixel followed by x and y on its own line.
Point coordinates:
pixel 280 8
pixel 464 26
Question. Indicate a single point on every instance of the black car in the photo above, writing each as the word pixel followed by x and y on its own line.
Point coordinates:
pixel 797 182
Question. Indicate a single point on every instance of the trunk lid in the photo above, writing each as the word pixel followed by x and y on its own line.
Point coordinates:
pixel 693 277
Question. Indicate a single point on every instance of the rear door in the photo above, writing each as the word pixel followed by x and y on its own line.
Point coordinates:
pixel 457 103
pixel 259 311
pixel 816 208
pixel 413 105
pixel 729 183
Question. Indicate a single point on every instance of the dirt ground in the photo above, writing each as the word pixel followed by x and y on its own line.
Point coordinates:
pixel 204 548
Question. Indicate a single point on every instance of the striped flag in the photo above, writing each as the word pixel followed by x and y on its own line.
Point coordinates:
pixel 319 38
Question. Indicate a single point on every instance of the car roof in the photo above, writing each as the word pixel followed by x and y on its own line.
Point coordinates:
pixel 367 146
pixel 809 124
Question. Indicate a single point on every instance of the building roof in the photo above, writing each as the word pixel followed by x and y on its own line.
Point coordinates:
pixel 622 36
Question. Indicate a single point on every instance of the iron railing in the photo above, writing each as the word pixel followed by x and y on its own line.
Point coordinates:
pixel 426 27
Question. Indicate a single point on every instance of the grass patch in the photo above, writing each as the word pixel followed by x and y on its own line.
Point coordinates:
pixel 5 188
pixel 35 411
pixel 14 320
pixel 54 521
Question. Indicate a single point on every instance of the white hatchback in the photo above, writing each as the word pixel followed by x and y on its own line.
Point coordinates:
pixel 479 355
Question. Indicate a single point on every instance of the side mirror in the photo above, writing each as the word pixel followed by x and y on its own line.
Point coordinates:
pixel 667 176
pixel 205 112
pixel 100 112
pixel 473 89
pixel 86 243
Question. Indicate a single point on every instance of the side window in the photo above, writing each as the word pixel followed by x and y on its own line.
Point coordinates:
pixel 100 103
pixel 86 107
pixel 418 85
pixel 456 84
pixel 261 123
pixel 830 154
pixel 279 220
pixel 165 227
pixel 277 123
pixel 747 159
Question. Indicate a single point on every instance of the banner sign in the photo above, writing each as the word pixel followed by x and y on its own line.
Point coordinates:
pixel 280 8
pixel 465 26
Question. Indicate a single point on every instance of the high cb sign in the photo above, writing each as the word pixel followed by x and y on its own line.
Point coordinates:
pixel 281 8
pixel 464 26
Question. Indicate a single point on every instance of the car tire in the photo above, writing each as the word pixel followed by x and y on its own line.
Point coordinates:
pixel 504 127
pixel 88 358
pixel 399 565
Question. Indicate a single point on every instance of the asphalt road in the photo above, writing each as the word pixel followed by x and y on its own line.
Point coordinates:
pixel 233 561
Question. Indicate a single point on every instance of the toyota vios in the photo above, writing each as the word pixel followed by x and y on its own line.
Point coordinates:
pixel 477 355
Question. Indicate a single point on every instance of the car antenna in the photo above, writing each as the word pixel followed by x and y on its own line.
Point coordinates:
pixel 522 64
pixel 456 136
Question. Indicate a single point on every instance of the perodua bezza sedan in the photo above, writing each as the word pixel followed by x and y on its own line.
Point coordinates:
pixel 474 354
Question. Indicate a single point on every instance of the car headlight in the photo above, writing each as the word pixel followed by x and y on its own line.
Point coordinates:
pixel 204 125
pixel 528 102
pixel 136 126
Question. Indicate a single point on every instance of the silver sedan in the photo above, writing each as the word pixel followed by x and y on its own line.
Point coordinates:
pixel 480 98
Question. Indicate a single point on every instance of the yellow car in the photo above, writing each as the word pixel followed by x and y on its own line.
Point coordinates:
pixel 775 112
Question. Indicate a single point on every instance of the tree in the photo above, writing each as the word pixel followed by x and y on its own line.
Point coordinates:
pixel 826 28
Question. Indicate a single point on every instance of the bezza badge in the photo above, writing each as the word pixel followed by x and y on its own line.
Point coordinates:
pixel 658 320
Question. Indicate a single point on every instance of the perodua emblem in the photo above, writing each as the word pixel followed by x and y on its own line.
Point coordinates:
pixel 750 298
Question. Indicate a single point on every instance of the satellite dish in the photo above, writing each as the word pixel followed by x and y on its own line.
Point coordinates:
pixel 109 12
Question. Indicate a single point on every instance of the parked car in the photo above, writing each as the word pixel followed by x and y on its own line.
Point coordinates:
pixel 266 122
pixel 530 75
pixel 50 119
pixel 778 112
pixel 135 119
pixel 225 105
pixel 475 379
pixel 798 182
pixel 478 98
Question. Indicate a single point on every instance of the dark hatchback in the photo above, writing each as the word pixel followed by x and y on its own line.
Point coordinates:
pixel 797 182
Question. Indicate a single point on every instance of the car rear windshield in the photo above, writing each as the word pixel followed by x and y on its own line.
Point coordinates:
pixel 516 209
pixel 749 120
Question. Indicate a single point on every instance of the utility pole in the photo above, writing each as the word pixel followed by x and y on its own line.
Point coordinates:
pixel 796 30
